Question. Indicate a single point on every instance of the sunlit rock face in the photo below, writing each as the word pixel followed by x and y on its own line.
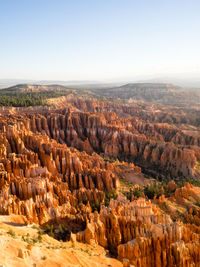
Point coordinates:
pixel 121 133
pixel 58 164
pixel 44 179
pixel 137 231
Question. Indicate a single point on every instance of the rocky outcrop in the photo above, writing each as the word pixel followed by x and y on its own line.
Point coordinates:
pixel 45 180
pixel 149 146
pixel 137 231
pixel 57 165
pixel 160 149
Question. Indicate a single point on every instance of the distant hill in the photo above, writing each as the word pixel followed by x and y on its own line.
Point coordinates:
pixel 163 93
pixel 34 88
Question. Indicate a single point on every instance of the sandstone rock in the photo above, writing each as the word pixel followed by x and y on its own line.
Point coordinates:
pixel 21 253
pixel 126 263
pixel 50 171
pixel 73 238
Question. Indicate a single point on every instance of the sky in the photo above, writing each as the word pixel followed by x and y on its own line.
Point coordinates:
pixel 98 39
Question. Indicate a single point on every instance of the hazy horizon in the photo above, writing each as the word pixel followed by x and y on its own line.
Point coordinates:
pixel 187 80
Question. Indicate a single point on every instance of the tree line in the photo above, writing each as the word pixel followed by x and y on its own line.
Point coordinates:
pixel 25 99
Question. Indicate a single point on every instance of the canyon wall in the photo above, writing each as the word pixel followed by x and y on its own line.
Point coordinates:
pixel 59 164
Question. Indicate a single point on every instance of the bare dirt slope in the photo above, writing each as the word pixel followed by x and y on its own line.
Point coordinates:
pixel 14 252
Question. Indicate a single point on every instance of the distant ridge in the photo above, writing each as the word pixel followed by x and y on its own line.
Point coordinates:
pixel 164 93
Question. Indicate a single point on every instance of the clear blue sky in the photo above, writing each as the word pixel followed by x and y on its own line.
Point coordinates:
pixel 98 39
